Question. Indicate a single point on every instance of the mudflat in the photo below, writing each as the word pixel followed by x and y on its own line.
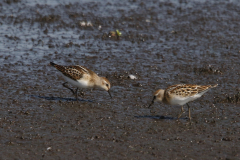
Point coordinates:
pixel 162 43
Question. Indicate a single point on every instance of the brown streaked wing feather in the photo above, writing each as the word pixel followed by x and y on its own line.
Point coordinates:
pixel 185 89
pixel 173 88
pixel 203 88
pixel 170 90
pixel 86 70
pixel 73 72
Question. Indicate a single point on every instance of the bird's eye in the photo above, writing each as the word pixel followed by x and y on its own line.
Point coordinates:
pixel 107 85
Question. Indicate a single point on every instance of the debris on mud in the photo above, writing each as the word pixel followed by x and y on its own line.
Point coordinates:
pixel 116 34
pixel 232 99
pixel 48 19
pixel 12 37
pixel 207 70
pixel 131 76
pixel 85 24
pixel 125 75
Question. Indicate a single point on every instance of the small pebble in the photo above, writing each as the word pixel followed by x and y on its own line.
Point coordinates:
pixel 132 76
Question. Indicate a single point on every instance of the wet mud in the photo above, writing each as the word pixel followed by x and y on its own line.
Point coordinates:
pixel 162 43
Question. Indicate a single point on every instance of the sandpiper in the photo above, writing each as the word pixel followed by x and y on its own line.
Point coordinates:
pixel 82 77
pixel 181 94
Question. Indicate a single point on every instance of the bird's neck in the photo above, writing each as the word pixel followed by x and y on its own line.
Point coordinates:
pixel 165 98
pixel 97 81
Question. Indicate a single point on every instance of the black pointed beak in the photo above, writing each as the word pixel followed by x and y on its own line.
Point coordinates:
pixel 109 93
pixel 152 102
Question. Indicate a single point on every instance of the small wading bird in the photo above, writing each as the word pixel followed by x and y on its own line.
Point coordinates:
pixel 81 77
pixel 181 94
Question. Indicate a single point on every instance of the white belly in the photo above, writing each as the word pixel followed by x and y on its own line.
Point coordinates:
pixel 82 83
pixel 183 100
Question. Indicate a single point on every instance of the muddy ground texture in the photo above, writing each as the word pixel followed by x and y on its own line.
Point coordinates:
pixel 162 42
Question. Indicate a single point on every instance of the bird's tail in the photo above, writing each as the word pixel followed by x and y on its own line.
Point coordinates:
pixel 59 67
pixel 213 86
pixel 53 64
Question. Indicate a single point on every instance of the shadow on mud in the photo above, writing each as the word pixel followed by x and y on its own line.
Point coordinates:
pixel 59 98
pixel 158 117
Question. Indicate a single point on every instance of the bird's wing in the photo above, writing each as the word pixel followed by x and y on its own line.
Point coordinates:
pixel 73 72
pixel 187 90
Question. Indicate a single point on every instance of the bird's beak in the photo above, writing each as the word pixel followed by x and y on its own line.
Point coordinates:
pixel 152 101
pixel 109 93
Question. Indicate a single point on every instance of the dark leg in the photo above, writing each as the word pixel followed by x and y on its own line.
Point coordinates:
pixel 180 113
pixel 64 85
pixel 76 94
pixel 189 113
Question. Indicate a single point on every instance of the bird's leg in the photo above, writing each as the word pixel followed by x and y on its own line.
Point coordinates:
pixel 180 113
pixel 189 113
pixel 76 94
pixel 64 85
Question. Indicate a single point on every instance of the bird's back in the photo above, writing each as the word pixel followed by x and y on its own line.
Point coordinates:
pixel 181 94
pixel 73 72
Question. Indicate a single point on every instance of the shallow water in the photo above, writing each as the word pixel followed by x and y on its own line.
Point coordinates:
pixel 162 42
